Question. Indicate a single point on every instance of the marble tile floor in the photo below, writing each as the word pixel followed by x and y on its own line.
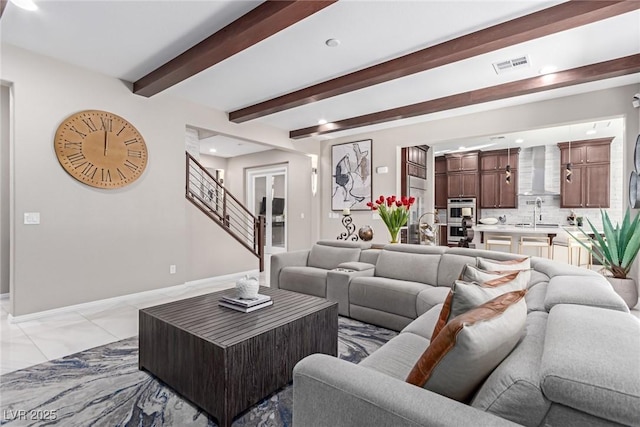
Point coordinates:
pixel 31 342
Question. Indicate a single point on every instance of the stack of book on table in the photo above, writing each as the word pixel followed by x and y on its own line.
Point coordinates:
pixel 246 305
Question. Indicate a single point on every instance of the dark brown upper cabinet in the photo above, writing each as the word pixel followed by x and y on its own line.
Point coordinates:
pixel 590 165
pixel 494 190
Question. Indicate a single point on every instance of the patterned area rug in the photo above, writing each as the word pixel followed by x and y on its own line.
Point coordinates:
pixel 103 387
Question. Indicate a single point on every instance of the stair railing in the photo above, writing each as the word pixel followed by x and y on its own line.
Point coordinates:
pixel 215 201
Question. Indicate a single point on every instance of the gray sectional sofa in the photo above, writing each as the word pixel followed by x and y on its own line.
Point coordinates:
pixel 576 364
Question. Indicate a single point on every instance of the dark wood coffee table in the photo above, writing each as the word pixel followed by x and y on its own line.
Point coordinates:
pixel 225 361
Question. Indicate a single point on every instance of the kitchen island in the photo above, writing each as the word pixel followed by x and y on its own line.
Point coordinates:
pixel 515 231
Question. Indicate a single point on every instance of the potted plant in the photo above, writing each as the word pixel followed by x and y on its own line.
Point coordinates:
pixel 394 213
pixel 616 249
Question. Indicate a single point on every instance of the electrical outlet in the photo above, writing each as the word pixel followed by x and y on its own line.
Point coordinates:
pixel 172 269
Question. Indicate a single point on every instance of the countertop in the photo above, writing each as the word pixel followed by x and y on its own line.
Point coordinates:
pixel 513 229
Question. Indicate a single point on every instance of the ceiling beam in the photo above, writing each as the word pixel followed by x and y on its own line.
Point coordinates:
pixel 588 73
pixel 558 18
pixel 262 22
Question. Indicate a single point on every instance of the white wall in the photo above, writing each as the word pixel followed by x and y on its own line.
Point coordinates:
pixel 95 243
pixel 608 103
pixel 4 188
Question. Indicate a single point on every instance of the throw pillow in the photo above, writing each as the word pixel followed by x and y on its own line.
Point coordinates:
pixel 519 264
pixel 465 296
pixel 471 346
pixel 471 273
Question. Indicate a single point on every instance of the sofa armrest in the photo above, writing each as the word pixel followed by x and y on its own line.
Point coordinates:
pixel 338 283
pixel 286 259
pixel 329 392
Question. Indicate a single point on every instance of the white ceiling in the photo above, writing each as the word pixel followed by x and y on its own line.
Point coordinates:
pixel 226 146
pixel 128 39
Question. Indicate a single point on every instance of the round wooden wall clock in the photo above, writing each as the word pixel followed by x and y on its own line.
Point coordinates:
pixel 100 149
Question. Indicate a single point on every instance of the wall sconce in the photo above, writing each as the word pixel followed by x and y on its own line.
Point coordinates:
pixel 314 181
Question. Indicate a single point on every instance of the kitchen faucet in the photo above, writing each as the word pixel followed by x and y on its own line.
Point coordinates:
pixel 537 210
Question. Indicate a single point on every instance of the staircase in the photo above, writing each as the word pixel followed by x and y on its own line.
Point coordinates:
pixel 215 201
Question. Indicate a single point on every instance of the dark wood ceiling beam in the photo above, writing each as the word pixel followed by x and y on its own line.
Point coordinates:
pixel 262 22
pixel 535 25
pixel 588 73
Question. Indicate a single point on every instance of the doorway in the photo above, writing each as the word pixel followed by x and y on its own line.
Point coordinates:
pixel 5 197
pixel 267 196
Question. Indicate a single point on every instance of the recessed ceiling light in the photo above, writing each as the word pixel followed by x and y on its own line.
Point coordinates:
pixel 25 4
pixel 332 42
pixel 591 131
pixel 322 122
pixel 212 150
pixel 462 147
pixel 519 141
pixel 548 69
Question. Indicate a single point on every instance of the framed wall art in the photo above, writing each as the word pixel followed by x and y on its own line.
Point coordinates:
pixel 351 175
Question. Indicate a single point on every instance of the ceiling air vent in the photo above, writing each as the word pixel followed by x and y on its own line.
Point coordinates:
pixel 511 64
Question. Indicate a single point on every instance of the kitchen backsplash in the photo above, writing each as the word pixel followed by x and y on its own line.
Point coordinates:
pixel 551 211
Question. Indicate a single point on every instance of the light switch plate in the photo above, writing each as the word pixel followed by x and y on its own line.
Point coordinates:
pixel 32 218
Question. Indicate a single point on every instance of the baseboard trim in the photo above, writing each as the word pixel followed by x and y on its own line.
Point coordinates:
pixel 89 304
pixel 4 296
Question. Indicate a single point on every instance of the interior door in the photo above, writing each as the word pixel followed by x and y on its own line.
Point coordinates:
pixel 267 196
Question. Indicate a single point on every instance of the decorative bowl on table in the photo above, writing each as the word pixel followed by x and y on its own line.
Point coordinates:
pixel 488 221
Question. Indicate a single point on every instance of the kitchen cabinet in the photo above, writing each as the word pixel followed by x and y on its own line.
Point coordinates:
pixel 415 161
pixel 440 182
pixel 441 190
pixel 440 165
pixel 462 184
pixel 590 165
pixel 466 162
pixel 494 190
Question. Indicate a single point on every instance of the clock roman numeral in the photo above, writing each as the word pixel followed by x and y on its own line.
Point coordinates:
pixel 132 166
pixel 83 135
pixel 92 127
pixel 106 124
pixel 120 131
pixel 72 145
pixel 134 153
pixel 131 141
pixel 89 170
pixel 106 175
pixel 120 174
pixel 77 159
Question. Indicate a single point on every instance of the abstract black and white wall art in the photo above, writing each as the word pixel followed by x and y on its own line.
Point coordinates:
pixel 351 175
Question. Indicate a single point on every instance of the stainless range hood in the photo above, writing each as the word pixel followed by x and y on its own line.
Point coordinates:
pixel 538 167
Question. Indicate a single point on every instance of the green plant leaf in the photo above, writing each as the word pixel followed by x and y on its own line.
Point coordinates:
pixel 612 238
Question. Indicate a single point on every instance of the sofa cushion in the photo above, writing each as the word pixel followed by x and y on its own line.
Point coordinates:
pixel 398 356
pixel 412 267
pixel 390 295
pixel 356 266
pixel 470 346
pixel 594 291
pixel 329 257
pixel 425 323
pixel 535 297
pixel 512 391
pixel 450 268
pixel 306 280
pixel 591 362
pixel 429 298
pixel 465 296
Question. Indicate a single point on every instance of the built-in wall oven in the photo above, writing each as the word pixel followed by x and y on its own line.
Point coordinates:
pixel 456 210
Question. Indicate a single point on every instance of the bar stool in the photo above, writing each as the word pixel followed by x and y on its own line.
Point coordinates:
pixel 571 243
pixel 503 241
pixel 537 242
